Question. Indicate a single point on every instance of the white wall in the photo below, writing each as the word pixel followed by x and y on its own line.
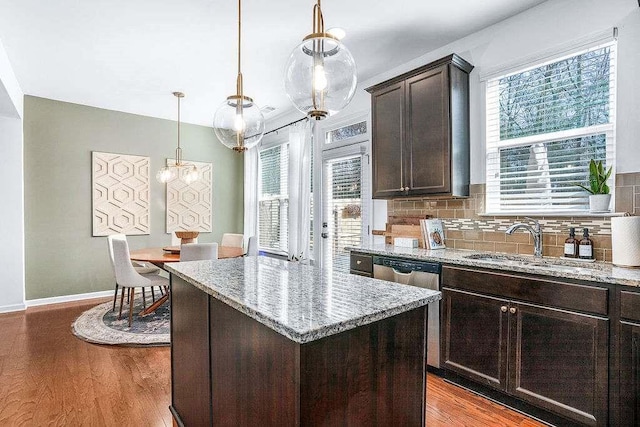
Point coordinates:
pixel 11 190
pixel 11 96
pixel 11 216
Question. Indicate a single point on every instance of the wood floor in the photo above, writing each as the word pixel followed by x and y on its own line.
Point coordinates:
pixel 50 377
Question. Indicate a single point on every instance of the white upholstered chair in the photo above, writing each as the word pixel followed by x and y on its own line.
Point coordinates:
pixel 141 267
pixel 198 251
pixel 232 240
pixel 252 246
pixel 128 278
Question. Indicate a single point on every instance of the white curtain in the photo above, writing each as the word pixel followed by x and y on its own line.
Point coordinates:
pixel 250 194
pixel 299 190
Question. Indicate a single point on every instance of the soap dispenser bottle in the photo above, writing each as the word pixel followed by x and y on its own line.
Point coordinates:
pixel 585 247
pixel 571 244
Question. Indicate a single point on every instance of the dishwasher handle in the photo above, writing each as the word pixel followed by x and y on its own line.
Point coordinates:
pixel 407 266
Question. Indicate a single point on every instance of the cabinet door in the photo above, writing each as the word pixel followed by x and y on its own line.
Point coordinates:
pixel 427 133
pixel 629 374
pixel 559 361
pixel 475 336
pixel 387 143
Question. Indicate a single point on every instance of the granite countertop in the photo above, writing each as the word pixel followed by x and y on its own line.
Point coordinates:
pixel 298 301
pixel 547 266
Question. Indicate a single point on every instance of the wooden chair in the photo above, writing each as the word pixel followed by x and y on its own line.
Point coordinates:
pixel 140 267
pixel 128 278
pixel 198 251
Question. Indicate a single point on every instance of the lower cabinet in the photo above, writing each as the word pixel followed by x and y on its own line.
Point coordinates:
pixel 629 359
pixel 507 332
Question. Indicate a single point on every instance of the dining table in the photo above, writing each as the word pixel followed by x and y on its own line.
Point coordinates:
pixel 160 255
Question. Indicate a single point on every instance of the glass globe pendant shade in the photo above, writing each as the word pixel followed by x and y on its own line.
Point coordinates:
pixel 189 174
pixel 239 127
pixel 320 76
pixel 166 174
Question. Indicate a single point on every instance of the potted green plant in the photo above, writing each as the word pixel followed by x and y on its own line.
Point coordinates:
pixel 599 198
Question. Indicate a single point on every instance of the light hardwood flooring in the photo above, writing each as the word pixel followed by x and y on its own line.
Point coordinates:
pixel 48 377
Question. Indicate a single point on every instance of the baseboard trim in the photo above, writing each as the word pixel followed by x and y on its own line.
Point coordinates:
pixel 67 298
pixel 12 307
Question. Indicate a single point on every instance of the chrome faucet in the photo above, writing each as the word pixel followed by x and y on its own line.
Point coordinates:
pixel 536 232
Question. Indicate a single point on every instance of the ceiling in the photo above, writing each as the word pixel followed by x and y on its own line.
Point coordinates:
pixel 130 55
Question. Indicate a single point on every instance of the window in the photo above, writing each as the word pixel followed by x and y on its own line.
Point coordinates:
pixel 544 124
pixel 273 198
pixel 344 133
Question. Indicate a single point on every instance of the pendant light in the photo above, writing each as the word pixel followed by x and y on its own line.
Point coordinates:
pixel 320 75
pixel 238 122
pixel 185 171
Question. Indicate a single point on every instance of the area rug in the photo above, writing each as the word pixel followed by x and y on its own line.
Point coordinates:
pixel 100 325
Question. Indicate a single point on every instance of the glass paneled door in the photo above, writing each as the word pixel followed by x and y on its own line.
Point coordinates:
pixel 344 219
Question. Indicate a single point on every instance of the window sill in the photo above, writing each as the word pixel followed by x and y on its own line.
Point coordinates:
pixel 553 214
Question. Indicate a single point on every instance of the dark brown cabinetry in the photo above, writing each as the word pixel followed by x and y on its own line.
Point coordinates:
pixel 545 342
pixel 227 369
pixel 629 358
pixel 420 123
pixel 361 264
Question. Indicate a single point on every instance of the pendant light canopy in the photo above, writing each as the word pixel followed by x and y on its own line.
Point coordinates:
pixel 320 76
pixel 185 171
pixel 238 122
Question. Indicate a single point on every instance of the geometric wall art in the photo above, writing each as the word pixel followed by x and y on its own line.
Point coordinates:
pixel 189 205
pixel 120 194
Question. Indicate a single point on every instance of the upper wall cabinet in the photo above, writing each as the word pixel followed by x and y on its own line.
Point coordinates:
pixel 421 131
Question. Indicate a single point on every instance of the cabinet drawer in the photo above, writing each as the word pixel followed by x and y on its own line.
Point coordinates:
pixel 554 293
pixel 362 263
pixel 630 306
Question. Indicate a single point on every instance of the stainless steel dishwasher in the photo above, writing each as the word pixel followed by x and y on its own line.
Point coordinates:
pixel 423 274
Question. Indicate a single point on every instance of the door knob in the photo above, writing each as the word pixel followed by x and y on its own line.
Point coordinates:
pixel 503 308
pixel 512 310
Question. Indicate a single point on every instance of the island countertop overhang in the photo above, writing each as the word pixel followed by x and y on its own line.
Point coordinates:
pixel 300 302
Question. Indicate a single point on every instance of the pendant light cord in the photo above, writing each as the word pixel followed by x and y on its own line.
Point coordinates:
pixel 239 88
pixel 318 19
pixel 178 149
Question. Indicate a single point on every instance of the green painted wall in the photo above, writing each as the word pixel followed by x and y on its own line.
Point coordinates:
pixel 62 258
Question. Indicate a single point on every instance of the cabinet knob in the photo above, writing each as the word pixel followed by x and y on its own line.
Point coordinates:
pixel 503 308
pixel 512 310
pixel 401 188
pixel 358 262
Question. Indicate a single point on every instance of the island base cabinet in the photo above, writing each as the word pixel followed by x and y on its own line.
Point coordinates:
pixel 371 375
pixel 240 372
pixel 190 382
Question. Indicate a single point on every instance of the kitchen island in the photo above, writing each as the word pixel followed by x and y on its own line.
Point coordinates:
pixel 259 341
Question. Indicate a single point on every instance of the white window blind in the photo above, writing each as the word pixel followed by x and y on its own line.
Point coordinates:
pixel 544 124
pixel 273 198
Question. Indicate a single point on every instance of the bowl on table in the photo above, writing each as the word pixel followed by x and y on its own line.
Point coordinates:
pixel 186 236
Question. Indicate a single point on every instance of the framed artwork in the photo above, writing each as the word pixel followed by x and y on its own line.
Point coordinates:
pixel 189 206
pixel 120 194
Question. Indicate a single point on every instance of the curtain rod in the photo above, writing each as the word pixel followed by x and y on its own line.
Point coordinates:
pixel 288 124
